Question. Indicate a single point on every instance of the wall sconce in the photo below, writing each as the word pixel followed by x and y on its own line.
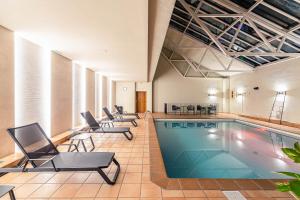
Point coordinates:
pixel 240 94
pixel 212 93
pixel 124 89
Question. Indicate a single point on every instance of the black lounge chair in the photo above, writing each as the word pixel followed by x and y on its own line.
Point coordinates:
pixel 113 119
pixel 120 111
pixel 43 156
pixel 95 127
pixel 7 189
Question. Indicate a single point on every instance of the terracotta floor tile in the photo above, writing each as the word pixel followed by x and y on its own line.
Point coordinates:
pixel 88 190
pixel 130 190
pixel 67 191
pixel 196 198
pixel 273 193
pixel 134 168
pixel 41 178
pixel 247 184
pixel 8 177
pixel 146 178
pixel 227 184
pixel 94 178
pixel 60 177
pixel 26 190
pixel 150 190
pixel 265 184
pixel 78 177
pixel 172 193
pixel 109 191
pixel 193 193
pixel 189 184
pixel 23 178
pixel 209 184
pixel 132 178
pixel 214 194
pixel 45 191
pixel 135 161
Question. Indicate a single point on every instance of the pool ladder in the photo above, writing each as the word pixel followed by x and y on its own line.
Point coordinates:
pixel 278 106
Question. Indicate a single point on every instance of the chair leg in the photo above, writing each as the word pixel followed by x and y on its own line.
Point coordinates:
pixel 105 177
pixel 133 122
pixel 71 144
pixel 130 136
pixel 84 148
pixel 12 195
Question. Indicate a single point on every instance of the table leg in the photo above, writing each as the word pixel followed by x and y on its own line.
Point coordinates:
pixel 83 145
pixel 71 144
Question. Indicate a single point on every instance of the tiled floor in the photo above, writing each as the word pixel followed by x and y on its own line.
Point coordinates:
pixel 134 181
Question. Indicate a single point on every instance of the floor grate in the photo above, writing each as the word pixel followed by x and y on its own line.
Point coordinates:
pixel 234 195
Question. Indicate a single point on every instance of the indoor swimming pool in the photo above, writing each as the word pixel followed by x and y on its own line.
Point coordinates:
pixel 226 149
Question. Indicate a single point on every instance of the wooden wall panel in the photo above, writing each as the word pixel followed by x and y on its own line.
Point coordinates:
pixel 61 94
pixel 6 90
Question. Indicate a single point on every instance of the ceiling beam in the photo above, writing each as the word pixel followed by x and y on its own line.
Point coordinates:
pixel 263 54
pixel 203 26
pixel 236 34
pixel 220 15
pixel 259 20
pixel 267 43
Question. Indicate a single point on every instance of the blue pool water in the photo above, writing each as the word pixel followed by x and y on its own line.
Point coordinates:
pixel 223 149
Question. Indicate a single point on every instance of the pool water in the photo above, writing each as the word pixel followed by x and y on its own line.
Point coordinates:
pixel 223 149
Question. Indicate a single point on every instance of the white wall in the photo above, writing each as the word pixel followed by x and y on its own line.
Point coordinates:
pixel 147 87
pixel 79 94
pixel 170 87
pixel 32 84
pixel 258 103
pixel 126 97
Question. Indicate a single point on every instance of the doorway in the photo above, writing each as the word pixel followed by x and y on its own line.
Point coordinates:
pixel 141 101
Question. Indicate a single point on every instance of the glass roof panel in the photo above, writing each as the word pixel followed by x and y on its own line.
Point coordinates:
pixel 289 6
pixel 244 3
pixel 212 3
pixel 248 61
pixel 247 37
pixel 177 26
pixel 274 16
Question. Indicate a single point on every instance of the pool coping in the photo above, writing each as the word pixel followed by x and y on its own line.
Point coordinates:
pixel 159 176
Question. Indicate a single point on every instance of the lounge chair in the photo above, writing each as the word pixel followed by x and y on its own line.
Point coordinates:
pixel 120 111
pixel 113 119
pixel 95 127
pixel 43 156
pixel 7 189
